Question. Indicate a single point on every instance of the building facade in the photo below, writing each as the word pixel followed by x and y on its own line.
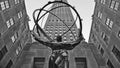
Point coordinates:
pixel 59 21
pixel 105 31
pixel 14 31
pixel 85 55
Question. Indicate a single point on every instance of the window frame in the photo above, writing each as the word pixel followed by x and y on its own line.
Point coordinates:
pixel 11 21
pixel 17 1
pixel 8 24
pixel 109 64
pixel 109 23
pixel 10 63
pixel 119 33
pixel 2 4
pixel 102 35
pixel 13 38
pixel 116 53
pixel 112 4
pixel 4 50
pixel 7 5
pixel 116 5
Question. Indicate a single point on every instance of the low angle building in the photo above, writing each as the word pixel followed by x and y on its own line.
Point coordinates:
pixel 105 31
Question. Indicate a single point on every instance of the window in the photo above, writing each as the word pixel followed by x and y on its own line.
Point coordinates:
pixel 96 26
pixel 112 4
pixel 50 34
pixel 10 63
pixel 103 1
pixel 119 34
pixel 7 4
pixel 0 34
pixel 20 14
pixel 70 34
pixel 99 46
pixel 10 22
pixel 50 31
pixel 116 5
pixel 38 62
pixel 75 34
pixel 102 51
pixel 2 4
pixel 71 37
pixel 17 1
pixel 60 31
pixel 65 39
pixel 17 52
pixel 102 35
pixel 16 35
pixel 60 34
pixel 73 31
pixel 64 31
pixel 13 39
pixel 81 62
pixel 116 52
pixel 1 55
pixel 76 38
pixel 23 28
pixel 94 38
pixel 109 64
pixel 106 39
pixel 56 34
pixel 100 15
pixel 109 23
pixel 3 52
pixel 18 49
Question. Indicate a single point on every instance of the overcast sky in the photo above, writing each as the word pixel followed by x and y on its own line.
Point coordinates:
pixel 85 9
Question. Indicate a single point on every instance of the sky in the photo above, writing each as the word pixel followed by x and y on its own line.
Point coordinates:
pixel 85 9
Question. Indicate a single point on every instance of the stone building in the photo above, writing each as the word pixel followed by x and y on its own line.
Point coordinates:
pixel 14 31
pixel 105 31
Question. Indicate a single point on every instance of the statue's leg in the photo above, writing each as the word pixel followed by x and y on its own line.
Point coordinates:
pixel 52 63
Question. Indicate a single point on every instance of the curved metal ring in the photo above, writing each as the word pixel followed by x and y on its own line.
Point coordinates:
pixel 40 10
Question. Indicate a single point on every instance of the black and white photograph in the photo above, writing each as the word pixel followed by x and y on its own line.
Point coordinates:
pixel 59 33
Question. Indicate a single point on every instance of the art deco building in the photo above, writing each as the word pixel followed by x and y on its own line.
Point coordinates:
pixel 14 32
pixel 55 25
pixel 105 31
